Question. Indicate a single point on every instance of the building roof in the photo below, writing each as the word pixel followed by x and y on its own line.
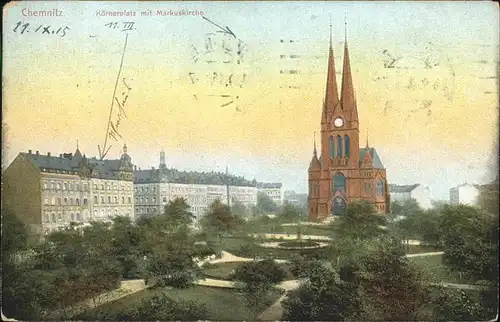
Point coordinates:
pixel 49 162
pixel 376 162
pixel 270 185
pixel 403 188
pixel 190 177
pixel 106 169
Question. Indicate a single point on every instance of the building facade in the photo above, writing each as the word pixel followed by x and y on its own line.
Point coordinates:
pixel 344 172
pixel 49 192
pixel 272 190
pixel 465 194
pixel 420 193
pixel 154 188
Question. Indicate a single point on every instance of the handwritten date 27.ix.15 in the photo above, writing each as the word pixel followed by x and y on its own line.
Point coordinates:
pixel 43 29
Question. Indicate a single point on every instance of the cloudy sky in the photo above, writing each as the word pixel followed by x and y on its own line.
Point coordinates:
pixel 424 74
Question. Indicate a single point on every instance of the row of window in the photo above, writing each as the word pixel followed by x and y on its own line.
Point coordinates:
pixel 108 213
pixel 146 210
pixel 379 185
pixel 339 184
pixel 112 200
pixel 144 189
pixel 146 200
pixel 84 187
pixel 64 186
pixel 343 147
pixel 60 218
pixel 64 201
pixel 113 186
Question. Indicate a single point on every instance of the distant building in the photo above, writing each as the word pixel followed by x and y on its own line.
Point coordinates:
pixel 154 188
pixel 295 198
pixel 48 192
pixel 420 193
pixel 465 194
pixel 273 191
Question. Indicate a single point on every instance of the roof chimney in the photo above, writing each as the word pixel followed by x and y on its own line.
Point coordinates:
pixel 48 154
pixel 29 151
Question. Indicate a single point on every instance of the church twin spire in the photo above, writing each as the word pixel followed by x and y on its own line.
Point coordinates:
pixel 347 99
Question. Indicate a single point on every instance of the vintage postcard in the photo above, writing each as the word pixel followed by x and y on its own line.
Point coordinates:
pixel 141 137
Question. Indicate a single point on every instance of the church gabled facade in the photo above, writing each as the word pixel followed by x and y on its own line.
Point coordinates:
pixel 344 172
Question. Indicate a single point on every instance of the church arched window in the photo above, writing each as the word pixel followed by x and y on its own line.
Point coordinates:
pixel 332 147
pixel 380 187
pixel 368 189
pixel 339 182
pixel 339 146
pixel 347 145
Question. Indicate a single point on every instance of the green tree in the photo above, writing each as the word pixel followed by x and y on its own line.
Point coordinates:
pixel 360 222
pixel 323 297
pixel 14 233
pixel 265 204
pixel 290 213
pixel 448 304
pixel 169 246
pixel 391 284
pixel 470 242
pixel 422 225
pixel 220 221
pixel 259 277
pixel 125 246
pixel 238 209
pixel 177 213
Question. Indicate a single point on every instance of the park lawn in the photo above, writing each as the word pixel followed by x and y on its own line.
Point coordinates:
pixel 222 304
pixel 438 272
pixel 221 270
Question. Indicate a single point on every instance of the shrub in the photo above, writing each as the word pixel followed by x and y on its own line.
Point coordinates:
pixel 202 250
pixel 262 272
pixel 177 280
pixel 161 307
pixel 209 265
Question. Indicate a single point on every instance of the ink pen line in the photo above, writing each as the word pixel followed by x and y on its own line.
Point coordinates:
pixel 113 97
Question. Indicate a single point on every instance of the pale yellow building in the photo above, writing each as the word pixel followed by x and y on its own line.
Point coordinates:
pixel 49 192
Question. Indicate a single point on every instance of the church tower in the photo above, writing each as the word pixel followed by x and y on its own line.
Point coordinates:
pixel 343 172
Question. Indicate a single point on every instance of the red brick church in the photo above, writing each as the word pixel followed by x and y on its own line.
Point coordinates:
pixel 344 172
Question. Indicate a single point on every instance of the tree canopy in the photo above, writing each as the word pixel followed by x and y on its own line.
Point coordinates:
pixel 265 204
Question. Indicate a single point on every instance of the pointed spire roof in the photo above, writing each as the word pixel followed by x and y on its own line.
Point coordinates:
pixel 314 151
pixel 367 145
pixel 331 93
pixel 314 164
pixel 347 94
pixel 78 154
